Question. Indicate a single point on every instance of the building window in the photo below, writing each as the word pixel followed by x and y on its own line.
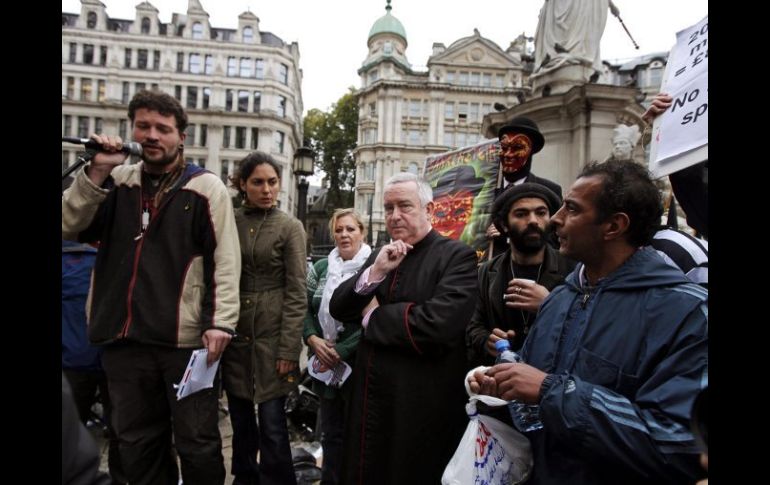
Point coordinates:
pixel 225 171
pixel 282 106
pixel 414 108
pixel 98 125
pixel 67 125
pixel 450 77
pixel 73 52
pixel 178 92
pixel 202 162
pixel 192 96
pixel 145 25
pixel 474 113
pixel 413 168
pixel 70 87
pixel 86 89
pixel 103 55
pixel 156 60
pixel 283 74
pixel 154 86
pixel 387 47
pixel 259 71
pixel 141 58
pixel 243 101
pixel 139 87
pixel 414 137
pixel 190 139
pixel 245 70
pixel 127 59
pixel 197 30
pixel 257 101
pixel 229 100
pixel 278 138
pixel 486 80
pixel 88 53
pixel 180 62
pixel 65 159
pixel 475 79
pixel 462 112
pixel 83 126
pixel 124 94
pixel 499 80
pixel 240 137
pixel 372 109
pixel 374 75
pixel 226 137
pixel 231 66
pixel 461 139
pixel 204 136
pixel 206 98
pixel 449 111
pixel 101 90
pixel 254 138
pixel 123 130
pixel 195 64
pixel 448 138
pixel 209 69
pixel 91 22
pixel 248 35
pixel 463 78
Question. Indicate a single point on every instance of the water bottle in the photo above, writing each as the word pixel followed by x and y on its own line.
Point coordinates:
pixel 526 417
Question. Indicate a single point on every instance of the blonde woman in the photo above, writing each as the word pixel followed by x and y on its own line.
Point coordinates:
pixel 329 340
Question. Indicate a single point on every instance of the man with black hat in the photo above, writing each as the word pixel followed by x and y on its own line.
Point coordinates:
pixel 519 140
pixel 514 284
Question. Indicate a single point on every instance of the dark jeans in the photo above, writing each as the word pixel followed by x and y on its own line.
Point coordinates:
pixel 332 422
pixel 245 440
pixel 275 463
pixel 84 385
pixel 141 379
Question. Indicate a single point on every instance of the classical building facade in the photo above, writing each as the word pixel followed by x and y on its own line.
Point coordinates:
pixel 241 87
pixel 406 115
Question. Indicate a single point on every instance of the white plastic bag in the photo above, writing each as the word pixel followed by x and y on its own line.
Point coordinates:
pixel 490 452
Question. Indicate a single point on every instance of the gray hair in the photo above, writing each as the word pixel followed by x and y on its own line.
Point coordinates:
pixel 424 190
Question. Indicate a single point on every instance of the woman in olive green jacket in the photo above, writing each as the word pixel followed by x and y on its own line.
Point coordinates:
pixel 260 364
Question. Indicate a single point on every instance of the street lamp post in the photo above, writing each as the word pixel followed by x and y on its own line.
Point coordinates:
pixel 304 158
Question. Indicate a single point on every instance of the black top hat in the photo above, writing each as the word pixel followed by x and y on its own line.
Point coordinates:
pixel 512 193
pixel 520 124
pixel 456 179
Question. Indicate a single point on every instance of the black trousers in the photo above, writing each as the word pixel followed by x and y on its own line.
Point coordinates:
pixel 270 438
pixel 332 422
pixel 146 413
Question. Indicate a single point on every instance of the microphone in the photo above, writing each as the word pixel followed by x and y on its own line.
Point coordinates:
pixel 130 148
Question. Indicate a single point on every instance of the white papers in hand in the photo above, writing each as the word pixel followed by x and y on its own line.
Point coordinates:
pixel 331 377
pixel 198 375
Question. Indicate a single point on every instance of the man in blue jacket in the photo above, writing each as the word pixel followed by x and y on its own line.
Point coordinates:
pixel 619 352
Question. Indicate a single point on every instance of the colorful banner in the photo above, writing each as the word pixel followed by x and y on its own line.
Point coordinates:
pixel 464 182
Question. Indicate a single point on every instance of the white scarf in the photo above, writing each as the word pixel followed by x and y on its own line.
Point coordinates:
pixel 337 272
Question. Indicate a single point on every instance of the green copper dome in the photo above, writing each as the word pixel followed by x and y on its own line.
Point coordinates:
pixel 388 24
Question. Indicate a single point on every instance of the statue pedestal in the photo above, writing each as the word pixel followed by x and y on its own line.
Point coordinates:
pixel 577 125
pixel 560 80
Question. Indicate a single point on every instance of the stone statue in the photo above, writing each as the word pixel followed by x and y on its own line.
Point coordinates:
pixel 624 140
pixel 569 32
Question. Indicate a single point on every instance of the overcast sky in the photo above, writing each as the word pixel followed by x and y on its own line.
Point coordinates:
pixel 332 34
